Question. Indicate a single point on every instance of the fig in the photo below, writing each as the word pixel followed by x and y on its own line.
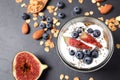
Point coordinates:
pixel 26 66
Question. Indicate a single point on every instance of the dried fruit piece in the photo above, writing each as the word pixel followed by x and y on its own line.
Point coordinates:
pixel 35 6
pixel 26 66
pixel 25 28
pixel 105 9
pixel 38 34
pixel 89 39
pixel 75 43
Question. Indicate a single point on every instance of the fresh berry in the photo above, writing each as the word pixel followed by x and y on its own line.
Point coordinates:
pixel 90 30
pixel 72 52
pixel 49 19
pixel 80 30
pixel 87 53
pixel 61 15
pixel 42 18
pixel 88 60
pixel 49 25
pixel 77 10
pixel 96 33
pixel 45 36
pixel 77 44
pixel 75 34
pixel 25 16
pixel 79 54
pixel 60 4
pixel 95 53
pixel 42 25
pixel 89 39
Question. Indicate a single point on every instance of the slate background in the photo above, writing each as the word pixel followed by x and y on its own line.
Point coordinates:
pixel 12 41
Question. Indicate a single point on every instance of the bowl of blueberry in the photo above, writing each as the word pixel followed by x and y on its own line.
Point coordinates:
pixel 85 44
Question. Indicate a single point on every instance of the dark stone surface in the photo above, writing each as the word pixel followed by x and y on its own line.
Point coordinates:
pixel 12 41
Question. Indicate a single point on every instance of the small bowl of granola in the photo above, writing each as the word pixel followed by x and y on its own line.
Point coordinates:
pixel 85 44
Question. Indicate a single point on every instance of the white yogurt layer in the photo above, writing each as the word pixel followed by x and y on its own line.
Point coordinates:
pixel 64 48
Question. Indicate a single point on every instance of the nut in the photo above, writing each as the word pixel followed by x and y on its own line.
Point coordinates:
pixel 105 9
pixel 25 28
pixel 38 34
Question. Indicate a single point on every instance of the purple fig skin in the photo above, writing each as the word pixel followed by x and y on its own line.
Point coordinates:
pixel 26 66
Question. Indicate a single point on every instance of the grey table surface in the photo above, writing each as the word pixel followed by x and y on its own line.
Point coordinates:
pixel 12 41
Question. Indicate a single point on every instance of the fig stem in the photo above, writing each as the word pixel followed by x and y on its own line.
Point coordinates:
pixel 44 66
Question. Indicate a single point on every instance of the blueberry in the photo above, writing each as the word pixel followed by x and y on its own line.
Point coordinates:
pixel 45 36
pixel 25 16
pixel 96 33
pixel 75 34
pixel 72 52
pixel 42 25
pixel 79 54
pixel 79 30
pixel 61 15
pixel 90 30
pixel 95 53
pixel 49 25
pixel 60 4
pixel 42 18
pixel 49 19
pixel 77 10
pixel 87 53
pixel 88 60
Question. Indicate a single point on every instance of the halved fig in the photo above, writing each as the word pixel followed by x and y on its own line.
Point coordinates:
pixel 27 66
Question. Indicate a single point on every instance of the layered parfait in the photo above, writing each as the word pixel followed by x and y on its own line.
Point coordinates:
pixel 83 45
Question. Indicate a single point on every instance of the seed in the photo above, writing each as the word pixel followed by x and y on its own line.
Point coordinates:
pixel 55 13
pixel 23 5
pixel 81 1
pixel 94 1
pixel 91 12
pixel 70 1
pixel 19 1
pixel 98 4
pixel 66 77
pixel 86 13
pixel 36 24
pixel 58 23
pixel 27 21
pixel 76 78
pixel 118 46
pixel 46 49
pixel 61 76
pixel 41 14
pixel 35 18
pixel 91 78
pixel 41 43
